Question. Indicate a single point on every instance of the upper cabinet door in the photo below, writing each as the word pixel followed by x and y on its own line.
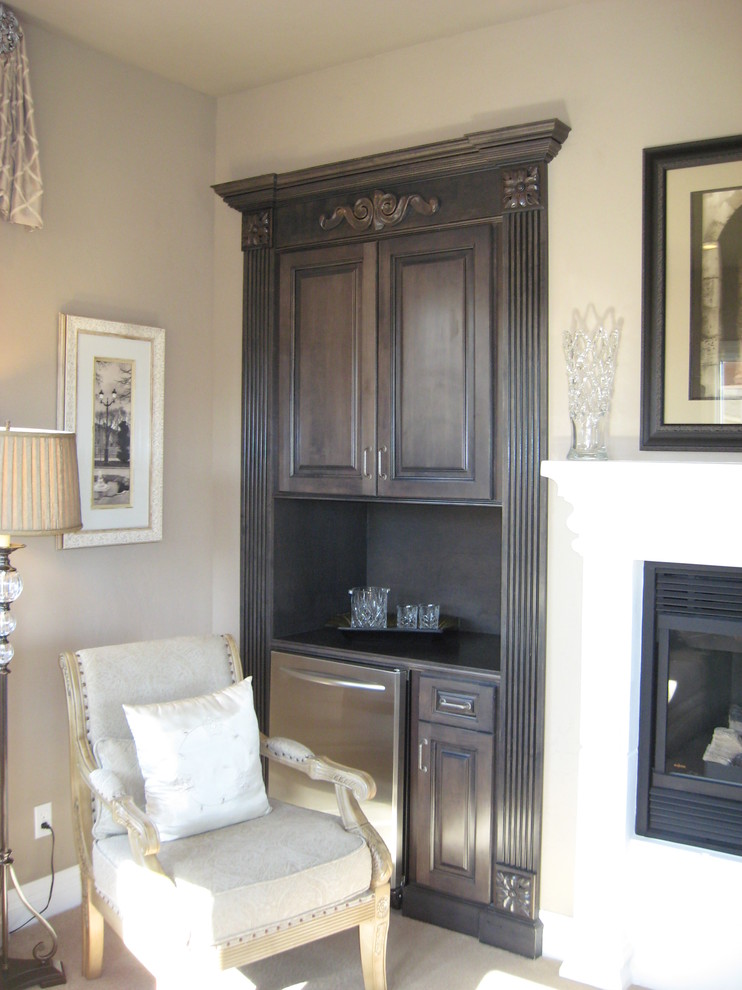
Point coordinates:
pixel 327 371
pixel 435 392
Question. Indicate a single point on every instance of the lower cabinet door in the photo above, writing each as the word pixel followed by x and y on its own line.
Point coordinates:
pixel 451 811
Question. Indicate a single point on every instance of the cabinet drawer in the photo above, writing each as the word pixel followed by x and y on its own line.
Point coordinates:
pixel 463 703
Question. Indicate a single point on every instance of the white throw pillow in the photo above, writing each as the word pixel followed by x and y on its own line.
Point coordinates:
pixel 200 759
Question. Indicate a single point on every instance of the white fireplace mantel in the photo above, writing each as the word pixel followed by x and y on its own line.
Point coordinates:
pixel 641 910
pixel 686 512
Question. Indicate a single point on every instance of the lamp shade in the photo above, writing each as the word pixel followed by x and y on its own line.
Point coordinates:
pixel 39 484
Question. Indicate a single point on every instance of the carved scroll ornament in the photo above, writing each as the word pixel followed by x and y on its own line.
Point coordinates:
pixel 384 210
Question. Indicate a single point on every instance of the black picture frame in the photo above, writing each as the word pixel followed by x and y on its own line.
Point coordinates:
pixel 695 405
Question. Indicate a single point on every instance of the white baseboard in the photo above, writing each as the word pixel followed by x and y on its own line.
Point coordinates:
pixel 557 935
pixel 66 895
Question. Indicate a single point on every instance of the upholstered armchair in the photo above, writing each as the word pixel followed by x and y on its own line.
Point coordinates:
pixel 179 850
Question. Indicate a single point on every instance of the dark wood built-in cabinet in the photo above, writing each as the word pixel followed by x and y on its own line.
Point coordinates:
pixel 394 420
pixel 385 367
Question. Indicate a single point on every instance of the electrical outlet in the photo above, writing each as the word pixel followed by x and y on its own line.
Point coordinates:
pixel 41 813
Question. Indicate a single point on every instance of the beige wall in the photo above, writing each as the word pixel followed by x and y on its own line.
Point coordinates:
pixel 127 162
pixel 625 74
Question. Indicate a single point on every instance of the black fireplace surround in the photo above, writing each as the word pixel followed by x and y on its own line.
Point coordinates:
pixel 690 728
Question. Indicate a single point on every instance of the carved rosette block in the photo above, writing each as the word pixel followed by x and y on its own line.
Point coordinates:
pixel 514 893
pixel 257 229
pixel 383 210
pixel 521 188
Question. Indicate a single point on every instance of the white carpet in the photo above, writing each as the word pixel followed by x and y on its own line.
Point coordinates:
pixel 420 957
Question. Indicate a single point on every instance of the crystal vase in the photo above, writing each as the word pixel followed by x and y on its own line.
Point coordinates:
pixel 590 350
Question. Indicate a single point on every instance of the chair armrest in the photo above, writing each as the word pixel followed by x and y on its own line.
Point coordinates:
pixel 144 838
pixel 293 754
pixel 351 786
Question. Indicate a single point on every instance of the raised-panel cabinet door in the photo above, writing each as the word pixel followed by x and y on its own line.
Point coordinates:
pixel 451 806
pixel 327 371
pixel 435 418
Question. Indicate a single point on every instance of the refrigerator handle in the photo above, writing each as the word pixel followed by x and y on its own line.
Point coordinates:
pixel 330 680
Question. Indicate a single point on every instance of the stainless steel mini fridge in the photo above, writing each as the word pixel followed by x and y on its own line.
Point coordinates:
pixel 354 714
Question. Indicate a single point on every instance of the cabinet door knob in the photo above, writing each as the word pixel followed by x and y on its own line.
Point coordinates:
pixel 420 765
pixel 382 475
pixel 367 451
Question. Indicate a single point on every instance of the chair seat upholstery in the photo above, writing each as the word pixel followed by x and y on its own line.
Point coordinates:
pixel 258 874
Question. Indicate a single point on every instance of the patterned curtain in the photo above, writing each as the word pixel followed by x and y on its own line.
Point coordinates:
pixel 20 174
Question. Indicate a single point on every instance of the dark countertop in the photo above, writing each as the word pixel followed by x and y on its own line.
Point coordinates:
pixel 454 649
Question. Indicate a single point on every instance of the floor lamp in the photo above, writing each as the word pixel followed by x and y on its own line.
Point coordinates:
pixel 39 494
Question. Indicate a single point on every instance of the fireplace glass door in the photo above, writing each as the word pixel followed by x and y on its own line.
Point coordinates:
pixel 700 726
pixel 690 733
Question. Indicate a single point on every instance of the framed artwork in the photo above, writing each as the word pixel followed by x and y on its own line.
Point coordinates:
pixel 692 297
pixel 111 394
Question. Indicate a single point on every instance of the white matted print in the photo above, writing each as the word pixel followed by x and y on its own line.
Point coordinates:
pixel 111 394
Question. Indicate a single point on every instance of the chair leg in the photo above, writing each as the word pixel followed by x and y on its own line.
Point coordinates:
pixel 92 938
pixel 373 936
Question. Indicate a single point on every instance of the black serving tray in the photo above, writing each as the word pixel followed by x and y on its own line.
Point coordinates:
pixel 446 623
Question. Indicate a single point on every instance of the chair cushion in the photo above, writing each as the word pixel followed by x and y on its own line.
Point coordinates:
pixel 200 759
pixel 232 881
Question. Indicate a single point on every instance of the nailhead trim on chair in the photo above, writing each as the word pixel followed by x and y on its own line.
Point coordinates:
pixel 108 901
pixel 300 919
pixel 272 929
pixel 241 954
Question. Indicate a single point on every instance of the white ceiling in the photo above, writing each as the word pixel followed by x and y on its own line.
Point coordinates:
pixel 226 46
